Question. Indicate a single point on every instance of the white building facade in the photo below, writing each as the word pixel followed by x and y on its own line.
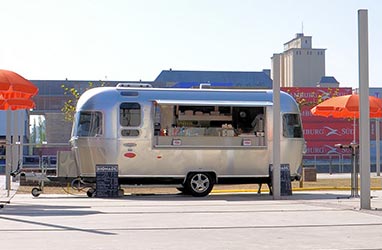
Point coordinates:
pixel 299 65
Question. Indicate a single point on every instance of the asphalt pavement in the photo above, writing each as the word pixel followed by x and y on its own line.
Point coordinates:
pixel 305 220
pixel 7 195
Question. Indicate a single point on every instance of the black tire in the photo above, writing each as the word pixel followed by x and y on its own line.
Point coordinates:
pixel 121 192
pixel 183 190
pixel 91 193
pixel 36 192
pixel 199 184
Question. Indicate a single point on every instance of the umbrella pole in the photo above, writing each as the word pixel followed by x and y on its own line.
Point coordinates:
pixel 354 129
pixel 8 155
pixel 377 147
pixel 354 173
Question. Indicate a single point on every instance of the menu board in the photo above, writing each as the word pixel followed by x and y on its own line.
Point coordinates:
pixel 106 180
pixel 285 181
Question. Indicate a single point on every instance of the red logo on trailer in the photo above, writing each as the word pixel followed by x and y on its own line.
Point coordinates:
pixel 130 155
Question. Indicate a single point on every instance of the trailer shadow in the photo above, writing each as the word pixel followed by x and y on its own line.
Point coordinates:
pixel 227 196
pixel 237 197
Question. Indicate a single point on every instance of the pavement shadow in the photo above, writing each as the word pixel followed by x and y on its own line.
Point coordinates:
pixel 46 210
pixel 236 197
pixel 21 214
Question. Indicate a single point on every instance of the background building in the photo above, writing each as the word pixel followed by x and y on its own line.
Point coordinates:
pixel 238 79
pixel 299 65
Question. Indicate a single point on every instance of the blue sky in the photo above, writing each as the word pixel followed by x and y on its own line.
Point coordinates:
pixel 135 40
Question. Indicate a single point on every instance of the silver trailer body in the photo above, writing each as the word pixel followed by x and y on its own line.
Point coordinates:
pixel 160 136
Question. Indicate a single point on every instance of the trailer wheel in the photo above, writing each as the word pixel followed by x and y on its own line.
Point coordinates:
pixel 199 184
pixel 91 193
pixel 36 192
pixel 184 190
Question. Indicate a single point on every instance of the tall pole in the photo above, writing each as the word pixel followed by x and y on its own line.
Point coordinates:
pixel 22 133
pixel 377 143
pixel 364 121
pixel 276 186
pixel 8 155
pixel 377 147
pixel 15 148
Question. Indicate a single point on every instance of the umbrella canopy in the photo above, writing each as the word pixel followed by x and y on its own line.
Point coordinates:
pixel 15 104
pixel 347 106
pixel 12 85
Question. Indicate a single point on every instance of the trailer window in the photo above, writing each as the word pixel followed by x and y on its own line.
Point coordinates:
pixel 130 132
pixel 292 126
pixel 89 124
pixel 130 114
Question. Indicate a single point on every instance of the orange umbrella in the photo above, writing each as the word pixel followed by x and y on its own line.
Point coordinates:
pixel 347 106
pixel 14 104
pixel 12 85
pixel 15 93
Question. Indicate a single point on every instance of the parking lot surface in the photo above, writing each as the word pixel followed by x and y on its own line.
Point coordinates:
pixel 305 220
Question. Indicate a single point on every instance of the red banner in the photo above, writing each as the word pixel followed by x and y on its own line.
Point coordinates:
pixel 322 133
pixel 311 96
pixel 325 131
pixel 373 130
pixel 327 147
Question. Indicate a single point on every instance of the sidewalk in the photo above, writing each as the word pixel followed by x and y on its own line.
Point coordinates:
pixel 342 175
pixel 4 197
pixel 306 220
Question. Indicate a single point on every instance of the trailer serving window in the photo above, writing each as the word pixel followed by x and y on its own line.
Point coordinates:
pixel 89 124
pixel 209 123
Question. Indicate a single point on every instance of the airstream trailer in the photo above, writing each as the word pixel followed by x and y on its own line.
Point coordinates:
pixel 193 138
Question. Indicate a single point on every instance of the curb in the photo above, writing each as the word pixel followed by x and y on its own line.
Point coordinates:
pixel 294 189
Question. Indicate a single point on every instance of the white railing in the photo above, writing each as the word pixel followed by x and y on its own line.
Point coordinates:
pixel 330 163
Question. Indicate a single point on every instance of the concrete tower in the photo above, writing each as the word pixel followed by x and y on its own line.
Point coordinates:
pixel 299 65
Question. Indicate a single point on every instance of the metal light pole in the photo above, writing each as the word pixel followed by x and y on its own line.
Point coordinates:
pixel 276 186
pixel 377 147
pixel 364 121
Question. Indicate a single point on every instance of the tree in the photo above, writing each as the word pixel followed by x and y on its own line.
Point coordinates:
pixel 41 129
pixel 38 131
pixel 74 94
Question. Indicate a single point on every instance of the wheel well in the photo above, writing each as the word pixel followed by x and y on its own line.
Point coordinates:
pixel 210 173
